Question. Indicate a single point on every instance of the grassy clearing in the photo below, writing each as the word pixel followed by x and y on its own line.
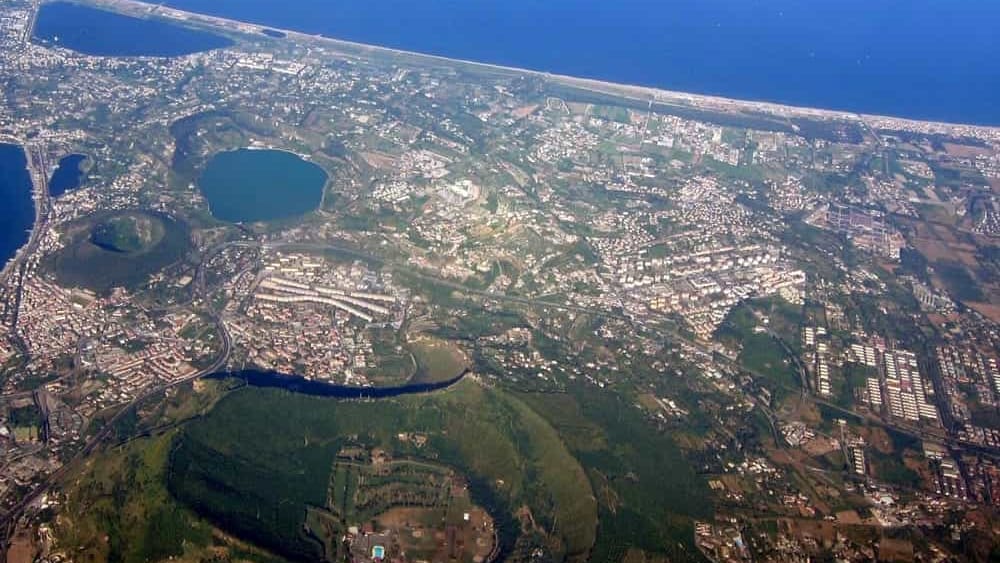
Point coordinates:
pixel 611 113
pixel 437 360
pixel 762 354
pixel 958 280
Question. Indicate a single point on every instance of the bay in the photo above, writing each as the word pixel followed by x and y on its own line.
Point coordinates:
pixel 17 210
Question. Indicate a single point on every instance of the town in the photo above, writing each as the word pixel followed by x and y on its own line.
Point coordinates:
pixel 805 301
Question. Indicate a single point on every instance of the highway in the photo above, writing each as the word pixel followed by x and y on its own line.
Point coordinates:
pixel 38 171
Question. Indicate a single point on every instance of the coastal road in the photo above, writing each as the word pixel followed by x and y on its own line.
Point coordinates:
pixel 9 519
pixel 18 267
pixel 29 30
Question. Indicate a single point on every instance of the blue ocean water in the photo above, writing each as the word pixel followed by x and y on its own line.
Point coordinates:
pixel 926 59
pixel 17 211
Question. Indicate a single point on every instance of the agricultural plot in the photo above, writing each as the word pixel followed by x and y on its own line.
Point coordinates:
pixel 411 509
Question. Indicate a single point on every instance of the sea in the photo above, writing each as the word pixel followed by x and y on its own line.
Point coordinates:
pixel 17 210
pixel 923 59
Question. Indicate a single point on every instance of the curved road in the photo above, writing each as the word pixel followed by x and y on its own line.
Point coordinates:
pixel 8 520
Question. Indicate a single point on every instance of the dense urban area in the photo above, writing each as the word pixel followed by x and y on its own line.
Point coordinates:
pixel 701 329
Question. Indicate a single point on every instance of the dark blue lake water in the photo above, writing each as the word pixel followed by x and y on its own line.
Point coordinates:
pixel 249 185
pixel 17 210
pixel 101 33
pixel 67 176
pixel 305 386
pixel 928 59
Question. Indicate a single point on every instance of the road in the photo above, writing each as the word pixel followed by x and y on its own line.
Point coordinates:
pixel 29 29
pixel 37 171
pixel 198 289
pixel 18 267
pixel 664 331
pixel 8 520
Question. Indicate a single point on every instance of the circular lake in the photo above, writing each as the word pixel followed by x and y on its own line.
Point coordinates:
pixel 248 185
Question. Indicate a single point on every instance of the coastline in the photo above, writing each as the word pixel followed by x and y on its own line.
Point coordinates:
pixel 645 94
pixel 10 262
pixel 143 8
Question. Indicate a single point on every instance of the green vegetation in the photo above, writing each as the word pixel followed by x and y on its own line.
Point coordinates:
pixel 647 492
pixel 30 382
pixel 199 135
pixel 119 510
pixel 830 415
pixel 766 334
pixel 365 486
pixel 118 250
pixel 891 470
pixel 437 360
pixel 25 416
pixel 913 262
pixel 117 507
pixel 959 281
pixel 394 364
pixel 255 474
pixel 986 416
pixel 762 354
pixel 855 377
pixel 611 113
pixel 129 233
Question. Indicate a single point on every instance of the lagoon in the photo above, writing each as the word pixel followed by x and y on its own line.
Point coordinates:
pixel 92 31
pixel 68 175
pixel 249 185
pixel 17 209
